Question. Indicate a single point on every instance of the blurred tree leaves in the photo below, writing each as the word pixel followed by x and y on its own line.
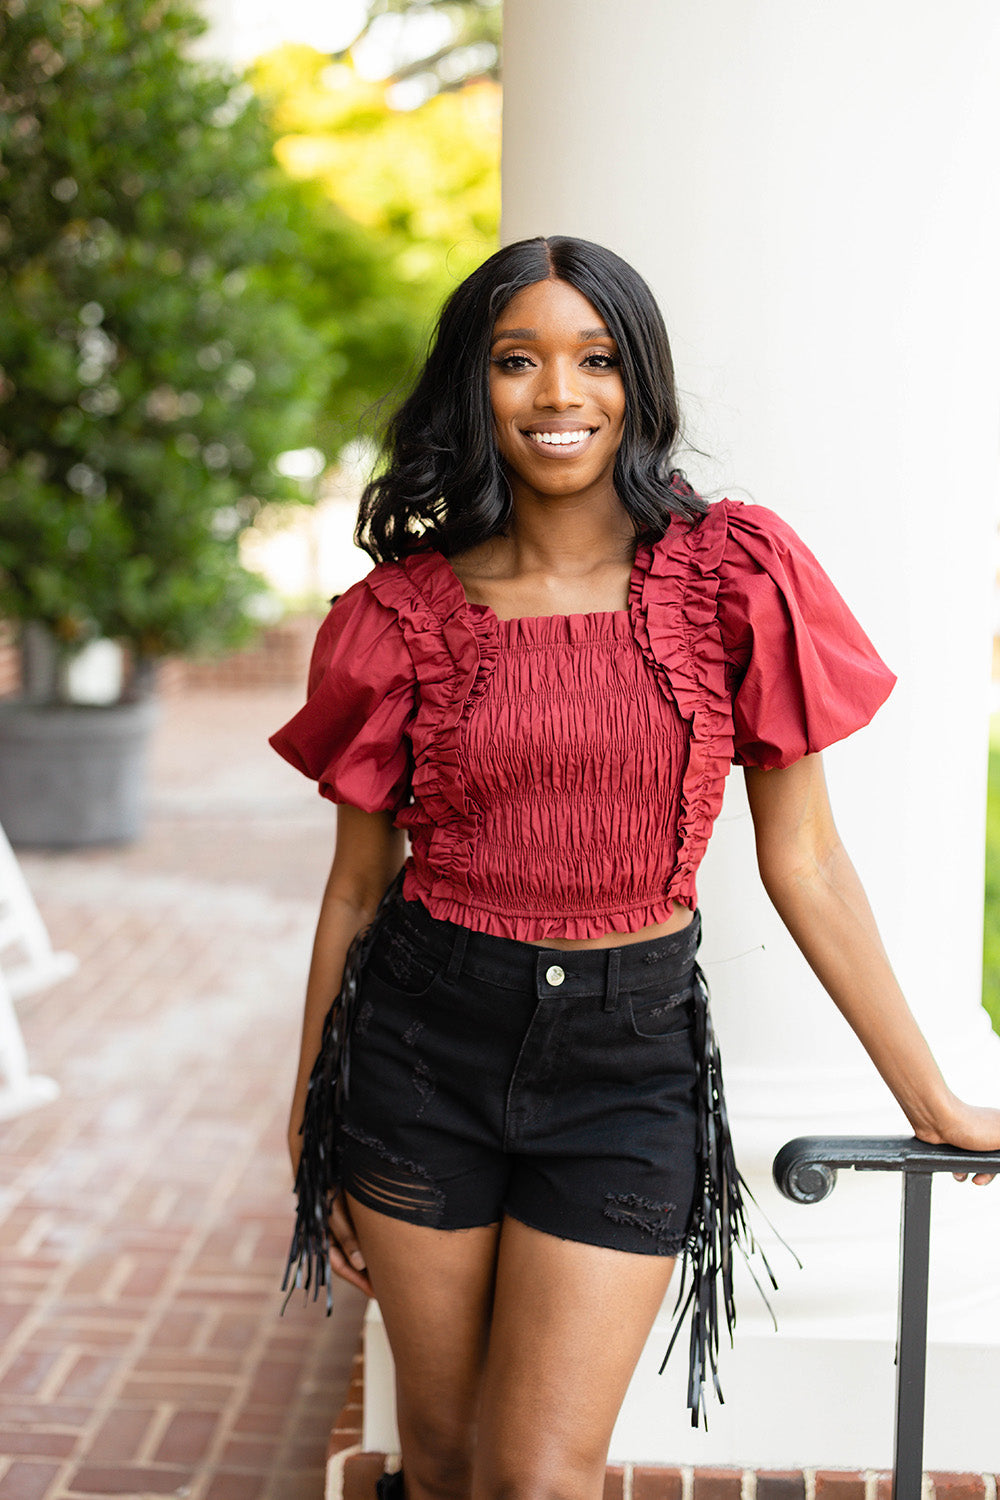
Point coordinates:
pixel 425 182
pixel 175 313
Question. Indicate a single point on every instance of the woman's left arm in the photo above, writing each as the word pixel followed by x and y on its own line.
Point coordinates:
pixel 816 892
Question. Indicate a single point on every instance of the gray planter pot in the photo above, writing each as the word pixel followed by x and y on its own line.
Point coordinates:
pixel 73 774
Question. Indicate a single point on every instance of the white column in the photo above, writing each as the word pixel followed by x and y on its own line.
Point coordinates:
pixel 811 190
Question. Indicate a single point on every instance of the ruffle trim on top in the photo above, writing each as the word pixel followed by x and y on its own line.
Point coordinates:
pixel 454 649
pixel 535 929
pixel 674 605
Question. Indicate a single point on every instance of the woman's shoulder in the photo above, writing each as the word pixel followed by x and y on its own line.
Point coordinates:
pixel 421 588
pixel 742 560
pixel 732 540
pixel 721 520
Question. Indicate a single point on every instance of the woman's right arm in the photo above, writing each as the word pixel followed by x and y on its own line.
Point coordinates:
pixel 369 854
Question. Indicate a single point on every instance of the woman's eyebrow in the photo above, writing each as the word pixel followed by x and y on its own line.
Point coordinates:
pixel 585 335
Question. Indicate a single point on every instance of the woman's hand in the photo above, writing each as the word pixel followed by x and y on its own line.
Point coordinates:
pixel 346 1259
pixel 971 1127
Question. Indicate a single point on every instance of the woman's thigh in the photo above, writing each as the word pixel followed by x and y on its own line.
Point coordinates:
pixel 435 1290
pixel 569 1323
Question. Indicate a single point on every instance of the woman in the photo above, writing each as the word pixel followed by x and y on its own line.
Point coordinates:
pixel 543 683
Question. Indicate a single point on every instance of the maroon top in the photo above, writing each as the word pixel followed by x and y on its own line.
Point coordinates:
pixel 559 776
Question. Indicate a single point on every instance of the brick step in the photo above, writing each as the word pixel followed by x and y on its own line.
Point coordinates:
pixel 352 1473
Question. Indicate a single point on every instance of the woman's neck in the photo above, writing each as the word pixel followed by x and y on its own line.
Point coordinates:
pixel 568 538
pixel 564 558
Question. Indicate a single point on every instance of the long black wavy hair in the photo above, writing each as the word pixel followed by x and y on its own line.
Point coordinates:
pixel 443 484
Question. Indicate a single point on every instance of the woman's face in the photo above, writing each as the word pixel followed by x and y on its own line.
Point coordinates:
pixel 556 392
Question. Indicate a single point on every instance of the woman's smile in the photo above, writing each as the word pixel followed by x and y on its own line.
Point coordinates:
pixel 565 438
pixel 559 442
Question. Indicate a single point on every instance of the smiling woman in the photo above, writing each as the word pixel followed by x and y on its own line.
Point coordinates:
pixel 511 1121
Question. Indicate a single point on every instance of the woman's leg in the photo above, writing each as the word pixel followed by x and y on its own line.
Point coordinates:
pixel 435 1290
pixel 569 1323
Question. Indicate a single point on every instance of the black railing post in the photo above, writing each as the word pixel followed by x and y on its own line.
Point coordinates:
pixel 911 1340
pixel 805 1170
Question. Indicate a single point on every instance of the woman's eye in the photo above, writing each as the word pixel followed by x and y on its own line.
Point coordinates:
pixel 512 362
pixel 601 361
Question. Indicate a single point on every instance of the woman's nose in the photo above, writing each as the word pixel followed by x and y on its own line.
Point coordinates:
pixel 558 387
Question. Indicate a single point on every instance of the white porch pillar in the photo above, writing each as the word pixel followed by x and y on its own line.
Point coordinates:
pixel 811 189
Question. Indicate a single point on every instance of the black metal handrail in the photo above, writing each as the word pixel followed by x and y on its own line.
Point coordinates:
pixel 805 1170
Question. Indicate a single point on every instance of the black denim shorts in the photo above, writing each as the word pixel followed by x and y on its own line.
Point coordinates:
pixel 491 1077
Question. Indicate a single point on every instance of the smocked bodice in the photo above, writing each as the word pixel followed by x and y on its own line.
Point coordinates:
pixel 572 757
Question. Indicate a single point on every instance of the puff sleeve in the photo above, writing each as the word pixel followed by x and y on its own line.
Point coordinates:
pixel 352 735
pixel 801 671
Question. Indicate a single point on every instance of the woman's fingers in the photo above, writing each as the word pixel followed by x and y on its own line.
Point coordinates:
pixel 343 1233
pixel 341 1266
pixel 346 1257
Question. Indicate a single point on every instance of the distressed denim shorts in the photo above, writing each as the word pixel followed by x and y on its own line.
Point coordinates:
pixel 491 1077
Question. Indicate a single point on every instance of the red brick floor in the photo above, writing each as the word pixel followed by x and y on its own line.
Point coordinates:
pixel 144 1215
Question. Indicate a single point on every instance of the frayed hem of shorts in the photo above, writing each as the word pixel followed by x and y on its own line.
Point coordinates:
pixel 658 1248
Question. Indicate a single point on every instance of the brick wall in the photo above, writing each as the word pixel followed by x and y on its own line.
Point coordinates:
pixel 351 1474
pixel 279 657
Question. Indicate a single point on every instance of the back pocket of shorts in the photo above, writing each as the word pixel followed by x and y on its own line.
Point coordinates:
pixel 401 964
pixel 656 1015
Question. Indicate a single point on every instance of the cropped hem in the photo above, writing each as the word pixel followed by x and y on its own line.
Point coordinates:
pixel 529 929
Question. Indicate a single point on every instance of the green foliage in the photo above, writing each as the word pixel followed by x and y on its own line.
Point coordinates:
pixel 149 370
pixel 424 182
pixel 991 928
pixel 370 322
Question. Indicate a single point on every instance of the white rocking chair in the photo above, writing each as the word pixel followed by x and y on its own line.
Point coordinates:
pixel 28 962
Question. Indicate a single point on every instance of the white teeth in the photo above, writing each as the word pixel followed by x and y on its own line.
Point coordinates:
pixel 560 439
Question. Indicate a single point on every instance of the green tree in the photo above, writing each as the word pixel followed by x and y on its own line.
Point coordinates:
pixel 155 353
pixel 425 182
pixel 343 278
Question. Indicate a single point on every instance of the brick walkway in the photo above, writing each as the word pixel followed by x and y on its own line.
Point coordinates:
pixel 144 1216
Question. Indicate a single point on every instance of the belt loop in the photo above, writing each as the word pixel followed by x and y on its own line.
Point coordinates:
pixel 457 958
pixel 611 987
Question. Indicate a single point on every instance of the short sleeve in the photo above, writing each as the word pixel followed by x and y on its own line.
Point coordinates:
pixel 802 672
pixel 351 736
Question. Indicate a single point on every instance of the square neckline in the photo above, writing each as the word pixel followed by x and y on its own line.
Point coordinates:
pixel 486 611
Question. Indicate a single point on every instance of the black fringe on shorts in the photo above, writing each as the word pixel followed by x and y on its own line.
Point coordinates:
pixel 719 1225
pixel 318 1176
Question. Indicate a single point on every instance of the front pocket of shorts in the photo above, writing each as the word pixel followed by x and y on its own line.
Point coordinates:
pixel 661 1015
pixel 402 965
